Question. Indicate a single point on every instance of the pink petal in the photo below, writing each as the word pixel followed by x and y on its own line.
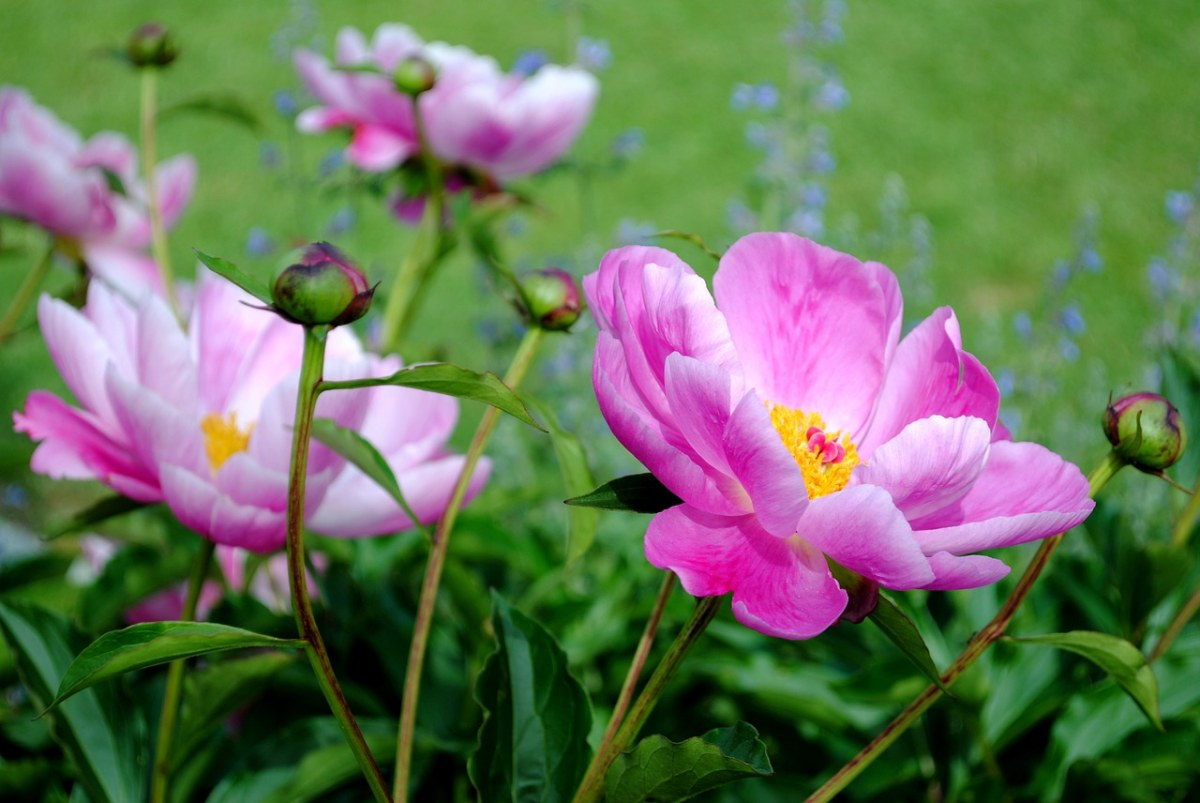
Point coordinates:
pixel 930 464
pixel 861 529
pixel 81 355
pixel 198 505
pixel 552 107
pixel 700 398
pixel 127 269
pixel 164 360
pixel 601 287
pixel 970 571
pixel 764 467
pixel 811 325
pixel 174 180
pixel 1026 492
pixel 376 149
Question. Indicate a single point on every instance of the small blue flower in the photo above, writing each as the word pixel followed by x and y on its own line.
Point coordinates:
pixel 741 218
pixel 628 143
pixel 530 61
pixel 1068 349
pixel 258 242
pixel 1071 319
pixel 285 103
pixel 832 95
pixel 742 97
pixel 633 232
pixel 593 55
pixel 1161 277
pixel 1180 205
pixel 331 162
pixel 766 96
pixel 342 221
pixel 1023 325
pixel 1091 260
pixel 1006 381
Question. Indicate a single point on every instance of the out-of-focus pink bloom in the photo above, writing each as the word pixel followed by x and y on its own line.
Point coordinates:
pixel 86 194
pixel 475 116
pixel 796 426
pixel 202 419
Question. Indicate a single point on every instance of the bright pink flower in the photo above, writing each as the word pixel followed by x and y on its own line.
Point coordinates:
pixel 52 178
pixel 796 425
pixel 202 419
pixel 504 125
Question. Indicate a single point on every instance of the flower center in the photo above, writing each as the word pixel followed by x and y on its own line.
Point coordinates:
pixel 223 439
pixel 825 458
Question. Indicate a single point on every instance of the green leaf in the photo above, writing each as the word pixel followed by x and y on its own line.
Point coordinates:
pixel 227 270
pixel 577 479
pixel 360 452
pixel 21 570
pixel 640 493
pixel 533 741
pixel 896 625
pixel 662 770
pixel 132 575
pixel 1123 662
pixel 150 643
pixel 450 380
pixel 97 730
pixel 226 105
pixel 103 510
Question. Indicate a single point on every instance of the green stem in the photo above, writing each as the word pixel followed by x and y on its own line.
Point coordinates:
pixel 1187 520
pixel 29 287
pixel 1177 624
pixel 521 362
pixel 975 648
pixel 170 709
pixel 158 234
pixel 592 785
pixel 311 369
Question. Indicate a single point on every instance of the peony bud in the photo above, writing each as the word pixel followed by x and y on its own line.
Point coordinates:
pixel 1145 431
pixel 322 289
pixel 551 299
pixel 414 76
pixel 151 45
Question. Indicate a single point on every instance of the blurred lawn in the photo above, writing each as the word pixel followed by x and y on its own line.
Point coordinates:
pixel 1005 120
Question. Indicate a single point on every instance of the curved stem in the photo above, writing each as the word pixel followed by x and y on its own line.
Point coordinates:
pixel 170 709
pixel 1184 614
pixel 1187 520
pixel 521 362
pixel 639 661
pixel 306 401
pixel 975 648
pixel 33 280
pixel 592 785
pixel 158 234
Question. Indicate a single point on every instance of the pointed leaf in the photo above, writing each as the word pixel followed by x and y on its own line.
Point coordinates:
pixel 640 493
pixel 1123 662
pixel 96 730
pixel 107 508
pixel 363 454
pixel 151 643
pixel 450 380
pixel 658 769
pixel 896 625
pixel 533 741
pixel 227 270
pixel 224 105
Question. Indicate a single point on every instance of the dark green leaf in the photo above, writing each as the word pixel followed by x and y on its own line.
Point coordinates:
pixel 151 643
pixel 229 106
pixel 359 451
pixel 103 749
pixel 533 740
pixel 103 510
pixel 896 625
pixel 227 270
pixel 450 380
pixel 35 567
pixel 132 575
pixel 640 493
pixel 1123 662
pixel 661 770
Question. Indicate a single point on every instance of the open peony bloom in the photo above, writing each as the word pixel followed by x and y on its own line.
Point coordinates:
pixel 86 194
pixel 475 116
pixel 796 426
pixel 202 420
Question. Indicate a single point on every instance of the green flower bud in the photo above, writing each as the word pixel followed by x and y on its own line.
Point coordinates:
pixel 414 76
pixel 551 299
pixel 1145 431
pixel 323 289
pixel 151 45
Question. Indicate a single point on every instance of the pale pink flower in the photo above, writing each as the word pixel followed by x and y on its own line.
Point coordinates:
pixel 796 425
pixel 54 179
pixel 475 116
pixel 202 419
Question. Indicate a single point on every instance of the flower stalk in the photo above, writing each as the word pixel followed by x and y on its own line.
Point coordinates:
pixel 170 708
pixel 592 785
pixel 311 369
pixel 520 365
pixel 158 232
pixel 25 293
pixel 992 631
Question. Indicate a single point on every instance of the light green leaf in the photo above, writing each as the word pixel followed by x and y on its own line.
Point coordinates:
pixel 150 643
pixel 1123 662
pixel 227 270
pixel 896 625
pixel 662 770
pixel 577 479
pixel 229 106
pixel 533 740
pixel 640 493
pixel 449 380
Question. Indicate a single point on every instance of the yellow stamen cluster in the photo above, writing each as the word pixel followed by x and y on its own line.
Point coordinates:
pixel 223 439
pixel 824 469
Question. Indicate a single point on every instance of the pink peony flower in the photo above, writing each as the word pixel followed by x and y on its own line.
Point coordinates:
pixel 475 116
pixel 796 426
pixel 202 419
pixel 52 178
